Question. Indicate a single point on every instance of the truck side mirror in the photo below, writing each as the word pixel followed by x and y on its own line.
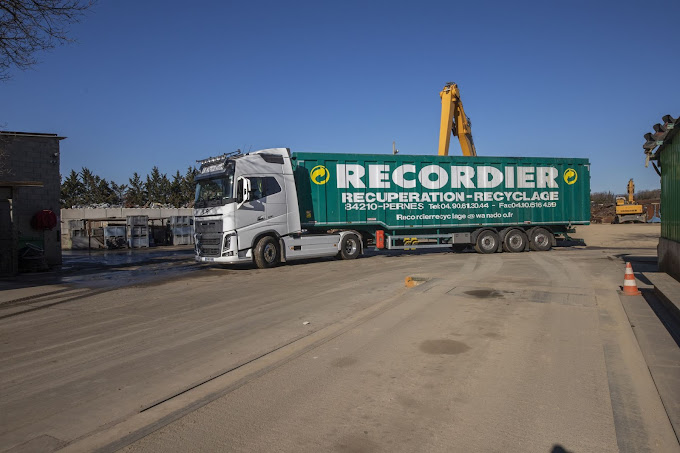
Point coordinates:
pixel 244 191
pixel 247 191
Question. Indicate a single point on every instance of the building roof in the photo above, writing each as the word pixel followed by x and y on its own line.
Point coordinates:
pixel 662 136
pixel 30 134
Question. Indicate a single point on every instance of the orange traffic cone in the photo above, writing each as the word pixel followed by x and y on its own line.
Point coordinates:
pixel 629 286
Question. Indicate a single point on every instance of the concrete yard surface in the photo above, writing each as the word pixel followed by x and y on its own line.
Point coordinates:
pixel 528 352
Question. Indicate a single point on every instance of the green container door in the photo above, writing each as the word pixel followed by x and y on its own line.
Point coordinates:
pixel 670 190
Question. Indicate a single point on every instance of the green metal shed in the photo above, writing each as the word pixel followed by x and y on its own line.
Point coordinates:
pixel 663 147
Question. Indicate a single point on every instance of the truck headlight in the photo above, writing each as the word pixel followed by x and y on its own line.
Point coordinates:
pixel 226 244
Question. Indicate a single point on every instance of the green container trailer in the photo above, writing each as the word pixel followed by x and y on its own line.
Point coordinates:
pixel 276 205
pixel 399 192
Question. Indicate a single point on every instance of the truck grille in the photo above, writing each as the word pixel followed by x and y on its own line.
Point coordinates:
pixel 208 226
pixel 209 244
pixel 207 240
pixel 208 237
pixel 210 251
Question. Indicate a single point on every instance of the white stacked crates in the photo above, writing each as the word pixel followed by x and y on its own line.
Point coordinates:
pixel 138 231
pixel 182 229
pixel 114 236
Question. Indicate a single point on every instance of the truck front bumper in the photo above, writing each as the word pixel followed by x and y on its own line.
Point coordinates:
pixel 220 248
pixel 244 257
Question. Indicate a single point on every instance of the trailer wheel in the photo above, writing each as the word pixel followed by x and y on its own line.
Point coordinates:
pixel 266 253
pixel 515 241
pixel 487 242
pixel 350 247
pixel 540 240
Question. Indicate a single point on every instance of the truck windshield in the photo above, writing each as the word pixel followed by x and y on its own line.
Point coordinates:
pixel 217 190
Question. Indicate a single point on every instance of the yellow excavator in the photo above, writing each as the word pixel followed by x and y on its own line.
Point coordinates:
pixel 627 209
pixel 454 121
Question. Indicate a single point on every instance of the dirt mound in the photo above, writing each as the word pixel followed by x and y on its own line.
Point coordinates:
pixel 602 213
pixel 606 212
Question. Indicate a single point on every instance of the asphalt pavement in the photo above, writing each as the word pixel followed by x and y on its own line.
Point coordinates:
pixel 504 352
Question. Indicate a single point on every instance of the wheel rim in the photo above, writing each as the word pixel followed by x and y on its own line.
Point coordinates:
pixel 541 240
pixel 515 241
pixel 351 246
pixel 488 243
pixel 269 253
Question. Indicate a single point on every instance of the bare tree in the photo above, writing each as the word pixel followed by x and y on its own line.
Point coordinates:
pixel 31 26
pixel 604 198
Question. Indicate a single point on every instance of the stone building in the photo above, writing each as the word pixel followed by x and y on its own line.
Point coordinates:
pixel 30 187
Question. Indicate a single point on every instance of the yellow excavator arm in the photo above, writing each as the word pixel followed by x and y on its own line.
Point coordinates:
pixel 454 121
pixel 631 191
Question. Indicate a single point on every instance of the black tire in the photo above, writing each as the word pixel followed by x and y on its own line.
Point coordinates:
pixel 266 253
pixel 540 240
pixel 350 247
pixel 487 242
pixel 459 248
pixel 515 241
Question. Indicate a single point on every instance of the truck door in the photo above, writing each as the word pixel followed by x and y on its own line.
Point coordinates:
pixel 250 212
pixel 275 204
pixel 264 211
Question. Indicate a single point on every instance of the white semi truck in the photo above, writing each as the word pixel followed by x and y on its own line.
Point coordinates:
pixel 246 209
pixel 272 205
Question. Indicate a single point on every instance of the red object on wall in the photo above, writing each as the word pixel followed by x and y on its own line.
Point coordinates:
pixel 44 220
pixel 380 239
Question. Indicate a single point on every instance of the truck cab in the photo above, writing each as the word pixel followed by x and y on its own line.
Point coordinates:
pixel 246 209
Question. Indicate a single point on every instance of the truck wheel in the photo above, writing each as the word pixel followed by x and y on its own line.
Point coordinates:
pixel 350 247
pixel 515 241
pixel 487 242
pixel 540 240
pixel 266 253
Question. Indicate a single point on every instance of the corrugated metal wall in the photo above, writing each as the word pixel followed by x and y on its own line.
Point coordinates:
pixel 670 190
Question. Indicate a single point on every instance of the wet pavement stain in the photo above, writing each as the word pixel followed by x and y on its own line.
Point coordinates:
pixel 407 401
pixel 486 293
pixel 356 443
pixel 343 362
pixel 446 347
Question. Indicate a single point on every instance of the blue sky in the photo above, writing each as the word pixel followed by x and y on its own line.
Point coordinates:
pixel 166 82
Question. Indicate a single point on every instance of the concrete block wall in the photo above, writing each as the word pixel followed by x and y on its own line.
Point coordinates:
pixel 33 157
pixel 117 215
pixel 122 213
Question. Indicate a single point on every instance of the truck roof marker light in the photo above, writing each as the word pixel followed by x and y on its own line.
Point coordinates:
pixel 214 160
